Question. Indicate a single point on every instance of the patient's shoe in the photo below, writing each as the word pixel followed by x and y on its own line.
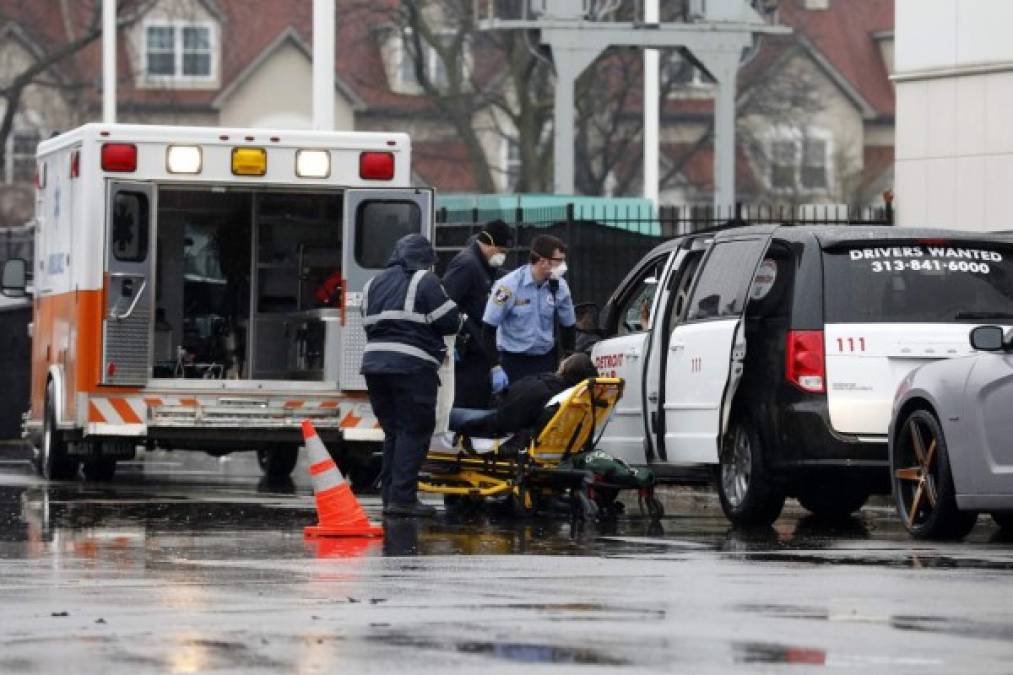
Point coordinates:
pixel 414 510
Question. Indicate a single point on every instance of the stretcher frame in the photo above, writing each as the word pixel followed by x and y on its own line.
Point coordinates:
pixel 576 426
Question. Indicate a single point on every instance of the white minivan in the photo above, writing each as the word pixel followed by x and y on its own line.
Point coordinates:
pixel 769 355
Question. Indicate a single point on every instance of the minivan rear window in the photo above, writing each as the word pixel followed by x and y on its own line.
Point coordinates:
pixel 918 282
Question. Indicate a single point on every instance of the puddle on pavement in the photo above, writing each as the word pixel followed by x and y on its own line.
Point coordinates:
pixel 523 652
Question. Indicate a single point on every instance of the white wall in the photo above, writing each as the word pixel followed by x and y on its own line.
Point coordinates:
pixel 954 139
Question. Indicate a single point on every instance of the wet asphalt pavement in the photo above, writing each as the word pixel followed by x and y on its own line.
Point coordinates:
pixel 190 564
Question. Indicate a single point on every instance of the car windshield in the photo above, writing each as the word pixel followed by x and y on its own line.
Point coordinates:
pixel 918 282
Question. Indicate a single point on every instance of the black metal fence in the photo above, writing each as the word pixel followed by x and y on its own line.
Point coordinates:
pixel 602 248
pixel 15 345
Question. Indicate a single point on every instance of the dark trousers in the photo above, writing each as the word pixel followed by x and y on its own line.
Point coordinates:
pixel 522 365
pixel 472 381
pixel 405 404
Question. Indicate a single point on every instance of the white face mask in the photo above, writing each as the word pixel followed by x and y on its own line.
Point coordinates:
pixel 558 272
pixel 497 259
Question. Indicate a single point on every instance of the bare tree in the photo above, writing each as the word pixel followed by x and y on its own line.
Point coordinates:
pixel 48 66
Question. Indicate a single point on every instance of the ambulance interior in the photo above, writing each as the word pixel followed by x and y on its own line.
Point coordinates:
pixel 247 284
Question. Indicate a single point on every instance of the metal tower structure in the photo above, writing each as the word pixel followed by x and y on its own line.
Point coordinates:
pixel 578 31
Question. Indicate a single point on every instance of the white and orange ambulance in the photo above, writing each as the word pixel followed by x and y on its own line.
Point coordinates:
pixel 198 288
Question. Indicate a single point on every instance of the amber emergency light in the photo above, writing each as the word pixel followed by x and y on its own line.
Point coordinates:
pixel 249 161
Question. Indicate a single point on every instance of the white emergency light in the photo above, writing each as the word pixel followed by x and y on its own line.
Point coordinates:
pixel 183 159
pixel 312 163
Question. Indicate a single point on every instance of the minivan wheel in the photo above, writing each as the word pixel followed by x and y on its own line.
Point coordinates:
pixel 278 462
pixel 748 496
pixel 51 460
pixel 923 487
pixel 833 499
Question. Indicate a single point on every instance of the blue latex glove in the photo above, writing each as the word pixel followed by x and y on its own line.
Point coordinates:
pixel 457 354
pixel 499 379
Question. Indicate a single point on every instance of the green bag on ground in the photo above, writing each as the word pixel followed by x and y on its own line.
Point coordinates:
pixel 610 469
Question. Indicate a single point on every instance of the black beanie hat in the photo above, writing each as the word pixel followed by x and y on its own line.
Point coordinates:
pixel 496 233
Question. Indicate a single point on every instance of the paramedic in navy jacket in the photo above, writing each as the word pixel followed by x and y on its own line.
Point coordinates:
pixel 406 314
pixel 468 280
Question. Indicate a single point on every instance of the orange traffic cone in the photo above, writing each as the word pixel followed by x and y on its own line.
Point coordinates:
pixel 338 511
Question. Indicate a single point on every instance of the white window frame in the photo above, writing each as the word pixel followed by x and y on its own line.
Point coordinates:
pixel 22 125
pixel 177 26
pixel 433 64
pixel 797 137
pixel 511 166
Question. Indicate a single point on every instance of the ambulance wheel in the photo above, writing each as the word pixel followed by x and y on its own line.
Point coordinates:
pixel 833 499
pixel 51 460
pixel 277 462
pixel 749 497
pixel 462 503
pixel 923 487
pixel 99 469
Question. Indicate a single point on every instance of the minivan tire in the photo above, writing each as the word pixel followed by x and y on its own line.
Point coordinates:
pixel 749 496
pixel 51 459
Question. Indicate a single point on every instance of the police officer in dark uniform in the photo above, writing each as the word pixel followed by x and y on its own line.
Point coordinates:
pixel 406 314
pixel 468 280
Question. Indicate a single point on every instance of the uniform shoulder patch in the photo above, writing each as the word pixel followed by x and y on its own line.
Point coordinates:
pixel 502 295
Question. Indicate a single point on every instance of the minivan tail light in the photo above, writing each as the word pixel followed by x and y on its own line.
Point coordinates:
pixel 119 157
pixel 376 165
pixel 805 365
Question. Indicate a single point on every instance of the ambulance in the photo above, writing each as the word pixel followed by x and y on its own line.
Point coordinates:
pixel 199 288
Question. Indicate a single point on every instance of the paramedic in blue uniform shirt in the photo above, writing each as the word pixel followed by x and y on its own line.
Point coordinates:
pixel 406 313
pixel 468 280
pixel 523 313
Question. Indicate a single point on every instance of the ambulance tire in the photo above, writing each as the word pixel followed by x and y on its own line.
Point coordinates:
pixel 749 496
pixel 278 462
pixel 99 469
pixel 833 499
pixel 51 460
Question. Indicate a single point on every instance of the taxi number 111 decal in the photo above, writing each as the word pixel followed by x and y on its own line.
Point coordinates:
pixel 851 344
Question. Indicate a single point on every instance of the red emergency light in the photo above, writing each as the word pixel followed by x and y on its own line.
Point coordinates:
pixel 119 157
pixel 376 165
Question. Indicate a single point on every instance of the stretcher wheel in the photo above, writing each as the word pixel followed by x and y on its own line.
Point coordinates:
pixel 652 506
pixel 524 501
pixel 461 503
pixel 583 506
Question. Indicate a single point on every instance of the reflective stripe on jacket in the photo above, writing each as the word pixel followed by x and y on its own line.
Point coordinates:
pixel 406 312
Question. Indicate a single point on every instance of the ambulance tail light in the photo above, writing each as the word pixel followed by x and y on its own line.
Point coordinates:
pixel 376 166
pixel 119 157
pixel 805 365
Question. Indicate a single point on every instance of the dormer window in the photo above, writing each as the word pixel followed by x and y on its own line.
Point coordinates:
pixel 179 51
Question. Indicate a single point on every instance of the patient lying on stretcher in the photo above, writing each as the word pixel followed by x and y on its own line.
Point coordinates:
pixel 524 403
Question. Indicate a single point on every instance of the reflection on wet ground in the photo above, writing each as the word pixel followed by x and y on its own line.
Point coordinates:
pixel 193 564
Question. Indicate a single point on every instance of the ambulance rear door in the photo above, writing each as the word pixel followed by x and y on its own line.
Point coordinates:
pixel 374 219
pixel 127 324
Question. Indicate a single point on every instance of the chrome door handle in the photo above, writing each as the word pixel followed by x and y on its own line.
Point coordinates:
pixel 632 355
pixel 653 397
pixel 133 305
pixel 676 346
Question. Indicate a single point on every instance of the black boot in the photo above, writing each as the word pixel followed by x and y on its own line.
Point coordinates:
pixel 413 510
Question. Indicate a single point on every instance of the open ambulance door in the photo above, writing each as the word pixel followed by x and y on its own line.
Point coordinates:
pixel 129 286
pixel 706 353
pixel 374 219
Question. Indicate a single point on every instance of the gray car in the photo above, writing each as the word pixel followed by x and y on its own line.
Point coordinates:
pixel 951 440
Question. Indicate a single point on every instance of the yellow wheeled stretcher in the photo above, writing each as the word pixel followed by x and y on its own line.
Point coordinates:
pixel 535 469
